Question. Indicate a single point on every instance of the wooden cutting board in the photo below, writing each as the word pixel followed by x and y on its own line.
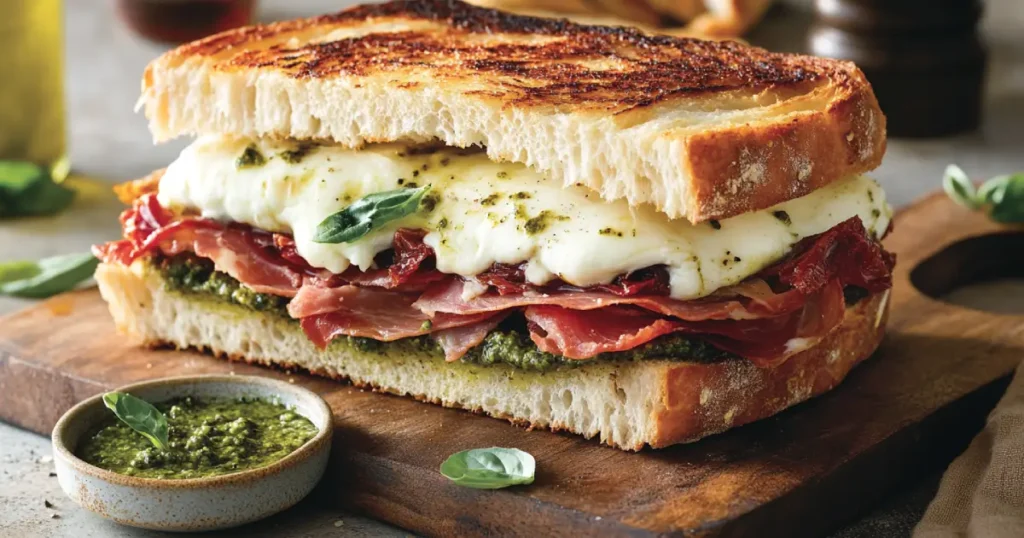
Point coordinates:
pixel 908 410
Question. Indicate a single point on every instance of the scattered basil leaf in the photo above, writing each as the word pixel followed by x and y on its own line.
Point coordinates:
pixel 490 468
pixel 140 416
pixel 16 176
pixel 369 213
pixel 959 187
pixel 1001 197
pixel 18 270
pixel 1004 196
pixel 27 189
pixel 46 277
pixel 43 198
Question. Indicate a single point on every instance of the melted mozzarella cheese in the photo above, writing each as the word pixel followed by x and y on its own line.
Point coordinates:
pixel 488 212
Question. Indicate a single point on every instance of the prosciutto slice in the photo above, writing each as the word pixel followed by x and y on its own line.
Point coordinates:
pixel 767 342
pixel 448 297
pixel 384 321
pixel 582 335
pixel 458 341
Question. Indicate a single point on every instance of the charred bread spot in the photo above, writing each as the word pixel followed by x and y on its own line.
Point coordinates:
pixel 534 62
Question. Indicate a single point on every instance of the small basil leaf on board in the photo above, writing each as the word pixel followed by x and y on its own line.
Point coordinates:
pixel 19 270
pixel 369 213
pixel 490 468
pixel 46 277
pixel 140 416
pixel 959 187
pixel 1004 196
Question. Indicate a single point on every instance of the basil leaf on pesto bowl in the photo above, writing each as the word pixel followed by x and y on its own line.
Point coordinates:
pixel 135 482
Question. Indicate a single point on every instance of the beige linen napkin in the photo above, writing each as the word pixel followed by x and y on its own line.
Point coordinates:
pixel 982 491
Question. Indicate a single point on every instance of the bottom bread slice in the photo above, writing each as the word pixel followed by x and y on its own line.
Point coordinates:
pixel 626 404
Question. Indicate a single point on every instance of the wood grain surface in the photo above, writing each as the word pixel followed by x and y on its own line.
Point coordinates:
pixel 907 410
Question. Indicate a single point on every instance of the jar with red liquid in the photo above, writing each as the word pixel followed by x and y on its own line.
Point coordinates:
pixel 178 21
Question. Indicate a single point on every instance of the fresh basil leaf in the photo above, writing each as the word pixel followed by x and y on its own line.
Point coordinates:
pixel 44 197
pixel 27 189
pixel 46 277
pixel 1004 197
pixel 369 213
pixel 140 416
pixel 19 270
pixel 959 187
pixel 490 468
pixel 17 176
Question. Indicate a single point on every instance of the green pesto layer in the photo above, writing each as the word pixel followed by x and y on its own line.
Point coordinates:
pixel 508 344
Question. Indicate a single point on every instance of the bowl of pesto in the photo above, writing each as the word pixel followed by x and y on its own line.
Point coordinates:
pixel 193 453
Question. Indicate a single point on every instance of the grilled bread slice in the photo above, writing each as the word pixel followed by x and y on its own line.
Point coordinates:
pixel 699 129
pixel 628 404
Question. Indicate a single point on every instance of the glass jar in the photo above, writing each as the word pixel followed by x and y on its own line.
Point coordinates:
pixel 32 111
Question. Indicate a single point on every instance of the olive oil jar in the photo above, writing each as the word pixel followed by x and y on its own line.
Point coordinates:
pixel 32 94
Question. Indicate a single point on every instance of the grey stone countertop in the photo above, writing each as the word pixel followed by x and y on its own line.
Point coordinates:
pixel 110 143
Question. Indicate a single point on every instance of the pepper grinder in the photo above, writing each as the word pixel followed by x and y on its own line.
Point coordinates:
pixel 923 57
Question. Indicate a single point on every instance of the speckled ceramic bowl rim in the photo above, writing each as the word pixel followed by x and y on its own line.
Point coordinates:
pixel 307 450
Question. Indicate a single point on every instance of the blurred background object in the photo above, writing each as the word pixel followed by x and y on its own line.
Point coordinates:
pixel 716 19
pixel 923 57
pixel 32 96
pixel 33 139
pixel 178 21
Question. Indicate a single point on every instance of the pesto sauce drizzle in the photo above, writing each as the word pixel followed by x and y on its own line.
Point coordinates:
pixel 207 438
pixel 251 157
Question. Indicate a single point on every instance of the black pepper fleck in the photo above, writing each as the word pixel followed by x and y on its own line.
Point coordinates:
pixel 429 202
pixel 783 217
pixel 715 224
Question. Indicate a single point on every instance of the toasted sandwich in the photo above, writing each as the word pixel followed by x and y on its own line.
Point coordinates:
pixel 637 238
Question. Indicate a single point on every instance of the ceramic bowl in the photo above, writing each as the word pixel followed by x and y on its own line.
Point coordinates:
pixel 200 503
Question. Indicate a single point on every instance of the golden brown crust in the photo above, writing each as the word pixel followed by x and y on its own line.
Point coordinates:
pixel 526 61
pixel 751 168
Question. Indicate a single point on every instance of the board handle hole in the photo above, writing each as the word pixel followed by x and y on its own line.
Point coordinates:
pixel 984 273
